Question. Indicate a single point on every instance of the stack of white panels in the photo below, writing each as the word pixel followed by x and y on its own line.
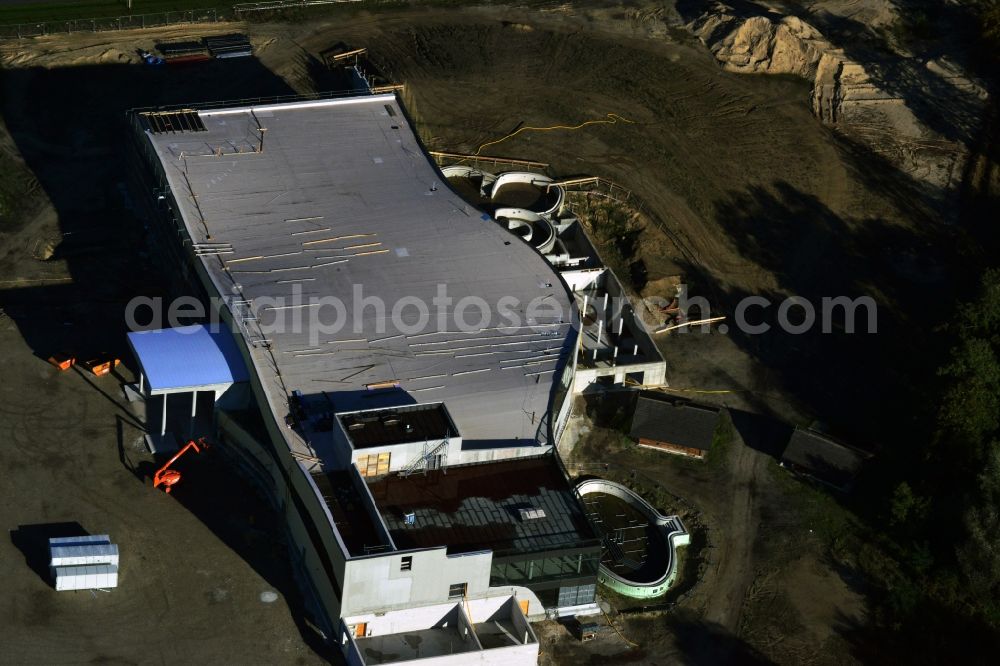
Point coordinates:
pixel 91 577
pixel 84 563
pixel 71 556
pixel 79 540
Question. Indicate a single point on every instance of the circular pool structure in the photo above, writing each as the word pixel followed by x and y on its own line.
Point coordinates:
pixel 639 545
pixel 470 183
pixel 527 190
pixel 532 228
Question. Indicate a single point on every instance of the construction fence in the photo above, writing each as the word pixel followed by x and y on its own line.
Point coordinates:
pixel 130 22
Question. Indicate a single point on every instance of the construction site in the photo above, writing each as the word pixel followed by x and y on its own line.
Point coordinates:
pixel 256 484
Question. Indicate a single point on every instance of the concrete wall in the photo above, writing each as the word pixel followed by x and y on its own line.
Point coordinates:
pixel 515 655
pixel 408 619
pixel 653 373
pixel 365 493
pixel 376 583
pixel 449 614
pixel 470 456
pixel 258 465
pixel 579 280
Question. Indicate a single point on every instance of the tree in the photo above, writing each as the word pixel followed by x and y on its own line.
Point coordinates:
pixel 979 556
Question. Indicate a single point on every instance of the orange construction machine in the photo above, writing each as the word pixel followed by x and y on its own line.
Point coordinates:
pixel 167 477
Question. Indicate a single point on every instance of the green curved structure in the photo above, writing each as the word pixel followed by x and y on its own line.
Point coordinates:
pixel 670 527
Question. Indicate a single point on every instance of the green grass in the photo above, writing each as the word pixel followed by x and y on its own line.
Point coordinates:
pixel 85 9
pixel 722 442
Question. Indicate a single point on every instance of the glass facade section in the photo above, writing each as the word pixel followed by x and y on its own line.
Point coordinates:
pixel 544 569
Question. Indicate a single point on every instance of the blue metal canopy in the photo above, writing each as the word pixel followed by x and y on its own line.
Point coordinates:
pixel 187 357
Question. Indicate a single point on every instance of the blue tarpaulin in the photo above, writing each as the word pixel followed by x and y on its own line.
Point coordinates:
pixel 182 358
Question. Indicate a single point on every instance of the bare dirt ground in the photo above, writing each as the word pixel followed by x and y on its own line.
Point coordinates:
pixel 761 589
pixel 194 563
pixel 186 591
pixel 749 194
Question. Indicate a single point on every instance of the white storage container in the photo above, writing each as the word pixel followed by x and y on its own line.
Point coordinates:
pixel 80 554
pixel 92 577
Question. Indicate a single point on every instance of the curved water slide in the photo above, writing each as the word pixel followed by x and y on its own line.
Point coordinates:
pixel 532 228
pixel 525 189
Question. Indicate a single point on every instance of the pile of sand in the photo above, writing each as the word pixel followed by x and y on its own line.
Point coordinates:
pixel 760 44
pixel 919 114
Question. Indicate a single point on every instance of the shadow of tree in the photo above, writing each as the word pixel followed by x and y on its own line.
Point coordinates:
pixel 850 379
pixel 702 643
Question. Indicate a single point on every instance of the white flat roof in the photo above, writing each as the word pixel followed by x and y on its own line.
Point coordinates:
pixel 342 194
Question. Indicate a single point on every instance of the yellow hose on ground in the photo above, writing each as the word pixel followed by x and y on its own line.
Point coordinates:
pixel 610 119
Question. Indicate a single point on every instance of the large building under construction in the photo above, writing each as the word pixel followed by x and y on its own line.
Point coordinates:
pixel 410 450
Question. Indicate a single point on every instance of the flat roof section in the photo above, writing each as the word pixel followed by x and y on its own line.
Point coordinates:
pixel 315 199
pixel 522 505
pixel 186 357
pixel 384 427
pixel 354 524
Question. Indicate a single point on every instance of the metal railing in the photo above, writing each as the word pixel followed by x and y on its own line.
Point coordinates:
pixel 108 23
pixel 278 5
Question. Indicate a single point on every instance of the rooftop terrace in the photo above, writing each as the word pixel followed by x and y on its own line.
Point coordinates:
pixel 488 506
pixel 384 427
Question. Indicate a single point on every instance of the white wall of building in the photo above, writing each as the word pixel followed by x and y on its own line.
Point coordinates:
pixel 579 280
pixel 378 583
pixel 452 614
